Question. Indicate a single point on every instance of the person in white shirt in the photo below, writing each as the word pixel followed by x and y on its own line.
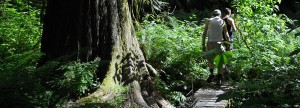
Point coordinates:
pixel 215 27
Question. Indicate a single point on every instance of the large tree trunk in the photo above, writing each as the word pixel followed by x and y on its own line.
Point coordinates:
pixel 85 29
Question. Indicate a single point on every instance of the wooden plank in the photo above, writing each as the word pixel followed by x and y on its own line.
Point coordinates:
pixel 206 98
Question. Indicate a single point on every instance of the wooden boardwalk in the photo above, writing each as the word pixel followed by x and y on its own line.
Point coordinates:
pixel 206 98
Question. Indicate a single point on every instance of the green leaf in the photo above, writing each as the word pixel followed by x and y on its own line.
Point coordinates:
pixel 207 53
pixel 152 69
pixel 223 58
pixel 217 60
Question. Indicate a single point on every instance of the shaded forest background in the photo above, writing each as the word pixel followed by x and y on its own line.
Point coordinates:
pixel 264 66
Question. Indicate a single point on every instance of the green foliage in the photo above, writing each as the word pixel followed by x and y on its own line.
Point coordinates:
pixel 78 77
pixel 172 47
pixel 19 85
pixel 267 72
pixel 19 52
pixel 265 52
pixel 19 31
pixel 23 83
pixel 295 32
pixel 266 35
pixel 222 59
pixel 177 96
pixel 274 88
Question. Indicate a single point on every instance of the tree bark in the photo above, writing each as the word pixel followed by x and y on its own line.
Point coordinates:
pixel 85 29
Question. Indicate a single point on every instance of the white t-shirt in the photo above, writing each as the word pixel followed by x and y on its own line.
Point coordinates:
pixel 215 29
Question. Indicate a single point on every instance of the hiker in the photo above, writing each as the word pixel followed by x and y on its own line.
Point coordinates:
pixel 230 28
pixel 230 25
pixel 214 27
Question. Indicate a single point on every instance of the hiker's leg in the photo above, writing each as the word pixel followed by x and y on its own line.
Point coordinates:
pixel 220 75
pixel 220 69
pixel 231 42
pixel 225 69
pixel 211 46
pixel 211 66
pixel 211 70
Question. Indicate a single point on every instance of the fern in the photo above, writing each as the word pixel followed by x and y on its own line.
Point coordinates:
pixel 295 32
pixel 78 77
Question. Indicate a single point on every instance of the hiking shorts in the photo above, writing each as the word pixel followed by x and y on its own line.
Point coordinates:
pixel 218 49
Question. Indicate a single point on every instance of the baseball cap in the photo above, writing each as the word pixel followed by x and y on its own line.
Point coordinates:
pixel 216 12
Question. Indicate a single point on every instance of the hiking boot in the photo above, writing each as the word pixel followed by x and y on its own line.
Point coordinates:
pixel 219 80
pixel 210 78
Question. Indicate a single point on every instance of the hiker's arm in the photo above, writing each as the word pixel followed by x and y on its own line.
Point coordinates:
pixel 204 35
pixel 232 25
pixel 226 33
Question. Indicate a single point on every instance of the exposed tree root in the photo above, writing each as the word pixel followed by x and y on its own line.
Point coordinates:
pixel 139 95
